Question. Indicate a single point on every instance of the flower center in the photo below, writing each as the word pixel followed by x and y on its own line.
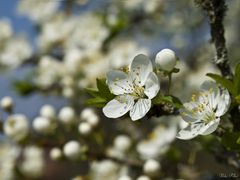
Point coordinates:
pixel 203 108
pixel 138 92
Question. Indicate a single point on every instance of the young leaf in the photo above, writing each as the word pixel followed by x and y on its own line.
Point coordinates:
pixel 104 91
pixel 98 102
pixel 229 140
pixel 24 88
pixel 224 82
pixel 92 92
pixel 236 79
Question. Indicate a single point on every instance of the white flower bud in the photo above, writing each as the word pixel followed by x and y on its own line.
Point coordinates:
pixel 6 103
pixel 122 142
pixel 42 125
pixel 72 150
pixel 48 111
pixel 16 127
pixel 125 177
pixel 166 59
pixel 143 177
pixel 84 128
pixel 93 120
pixel 86 113
pixel 33 162
pixel 151 167
pixel 55 154
pixel 68 92
pixel 67 115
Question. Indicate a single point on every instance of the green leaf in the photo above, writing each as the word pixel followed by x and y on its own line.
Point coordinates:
pixel 224 82
pixel 172 100
pixel 104 91
pixel 236 79
pixel 98 102
pixel 230 140
pixel 237 98
pixel 238 140
pixel 92 92
pixel 24 88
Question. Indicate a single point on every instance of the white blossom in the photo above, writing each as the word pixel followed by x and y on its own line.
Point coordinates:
pixel 33 162
pixel 160 139
pixel 43 125
pixel 5 30
pixel 48 111
pixel 55 154
pixel 122 143
pixel 72 150
pixel 67 115
pixel 143 177
pixel 105 169
pixel 84 128
pixel 8 158
pixel 204 111
pixel 38 10
pixel 134 90
pixel 6 103
pixel 16 127
pixel 125 177
pixel 151 167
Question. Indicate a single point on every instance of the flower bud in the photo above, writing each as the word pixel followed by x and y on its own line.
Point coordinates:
pixel 6 103
pixel 125 177
pixel 143 177
pixel 42 125
pixel 122 142
pixel 151 167
pixel 48 111
pixel 16 127
pixel 166 59
pixel 93 120
pixel 67 115
pixel 86 113
pixel 72 150
pixel 55 154
pixel 84 128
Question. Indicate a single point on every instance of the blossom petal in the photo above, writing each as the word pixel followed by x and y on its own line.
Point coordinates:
pixel 118 106
pixel 119 82
pixel 140 109
pixel 140 68
pixel 212 92
pixel 191 131
pixel 210 127
pixel 152 85
pixel 189 114
pixel 224 102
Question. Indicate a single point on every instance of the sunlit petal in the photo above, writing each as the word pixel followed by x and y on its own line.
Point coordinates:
pixel 140 109
pixel 118 106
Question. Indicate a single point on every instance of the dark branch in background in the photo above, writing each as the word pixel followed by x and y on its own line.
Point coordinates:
pixel 215 10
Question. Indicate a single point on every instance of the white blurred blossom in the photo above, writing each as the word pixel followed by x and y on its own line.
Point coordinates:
pixel 33 162
pixel 38 11
pixel 8 159
pixel 5 30
pixel 16 127
pixel 160 139
pixel 15 52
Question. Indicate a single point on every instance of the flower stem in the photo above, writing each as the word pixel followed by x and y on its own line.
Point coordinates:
pixel 169 82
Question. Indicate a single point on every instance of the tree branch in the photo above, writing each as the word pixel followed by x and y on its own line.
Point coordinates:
pixel 215 10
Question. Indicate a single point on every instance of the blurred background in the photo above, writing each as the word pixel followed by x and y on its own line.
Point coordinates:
pixel 51 50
